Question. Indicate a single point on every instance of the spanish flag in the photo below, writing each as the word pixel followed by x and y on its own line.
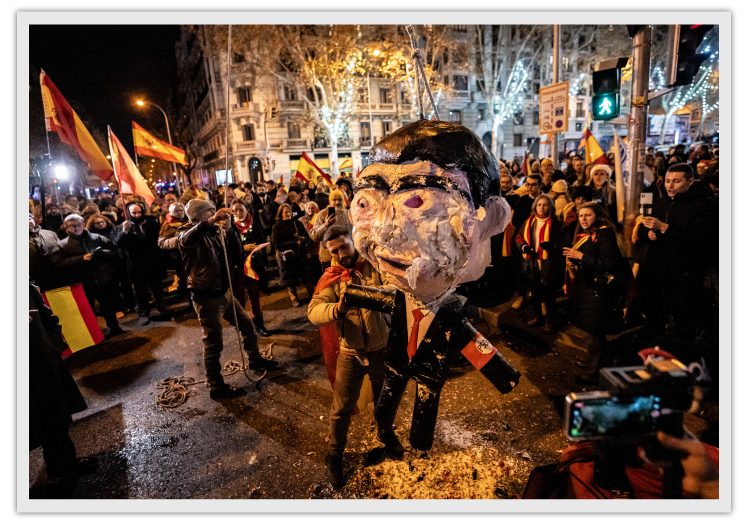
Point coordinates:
pixel 79 325
pixel 347 163
pixel 593 153
pixel 130 180
pixel 60 117
pixel 309 170
pixel 148 145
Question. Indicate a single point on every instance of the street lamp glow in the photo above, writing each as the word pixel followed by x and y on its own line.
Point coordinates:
pixel 140 103
pixel 61 171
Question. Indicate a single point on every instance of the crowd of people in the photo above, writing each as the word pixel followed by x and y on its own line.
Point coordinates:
pixel 563 240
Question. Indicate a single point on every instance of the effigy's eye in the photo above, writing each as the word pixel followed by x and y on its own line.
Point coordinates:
pixel 414 202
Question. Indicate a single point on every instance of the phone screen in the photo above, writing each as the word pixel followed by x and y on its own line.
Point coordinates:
pixel 589 418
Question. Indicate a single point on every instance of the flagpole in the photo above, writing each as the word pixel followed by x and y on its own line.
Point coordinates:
pixel 114 168
pixel 228 122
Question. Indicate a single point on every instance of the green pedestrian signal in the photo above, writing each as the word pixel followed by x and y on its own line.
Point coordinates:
pixel 606 107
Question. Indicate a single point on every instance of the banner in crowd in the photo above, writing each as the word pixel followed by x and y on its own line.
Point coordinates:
pixel 593 153
pixel 148 145
pixel 308 170
pixel 79 325
pixel 130 181
pixel 60 118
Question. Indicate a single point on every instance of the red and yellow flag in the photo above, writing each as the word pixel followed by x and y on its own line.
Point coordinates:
pixel 60 117
pixel 347 163
pixel 79 325
pixel 593 153
pixel 310 171
pixel 148 145
pixel 130 180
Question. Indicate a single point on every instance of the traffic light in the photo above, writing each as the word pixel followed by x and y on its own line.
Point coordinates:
pixel 683 61
pixel 606 86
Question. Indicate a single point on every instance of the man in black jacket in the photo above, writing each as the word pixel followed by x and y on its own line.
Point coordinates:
pixel 682 233
pixel 91 260
pixel 205 244
pixel 44 254
pixel 523 206
pixel 138 239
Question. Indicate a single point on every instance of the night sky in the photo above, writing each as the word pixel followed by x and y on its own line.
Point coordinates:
pixel 106 68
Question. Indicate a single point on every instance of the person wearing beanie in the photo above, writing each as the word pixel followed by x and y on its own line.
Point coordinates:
pixel 325 219
pixel 205 245
pixel 138 239
pixel 559 192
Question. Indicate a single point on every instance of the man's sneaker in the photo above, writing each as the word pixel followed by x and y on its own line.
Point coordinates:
pixel 391 444
pixel 263 365
pixel 334 465
pixel 144 321
pixel 226 391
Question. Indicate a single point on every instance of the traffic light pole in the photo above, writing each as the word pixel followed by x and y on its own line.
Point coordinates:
pixel 556 60
pixel 637 131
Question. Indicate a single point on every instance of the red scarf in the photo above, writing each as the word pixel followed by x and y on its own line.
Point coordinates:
pixel 244 226
pixel 337 273
pixel 545 235
pixel 170 219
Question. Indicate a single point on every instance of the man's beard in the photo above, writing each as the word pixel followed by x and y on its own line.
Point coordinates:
pixel 137 220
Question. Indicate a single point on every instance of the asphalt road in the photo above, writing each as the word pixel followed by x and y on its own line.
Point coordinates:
pixel 271 443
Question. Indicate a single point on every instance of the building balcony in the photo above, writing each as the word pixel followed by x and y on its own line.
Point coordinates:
pixel 323 144
pixel 291 105
pixel 250 146
pixel 246 109
pixel 363 108
pixel 365 143
pixel 212 123
pixel 461 94
pixel 291 144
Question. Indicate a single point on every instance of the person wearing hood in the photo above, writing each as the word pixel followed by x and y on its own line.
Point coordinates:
pixel 206 243
pixel 683 244
pixel 44 254
pixel 138 239
pixel 91 259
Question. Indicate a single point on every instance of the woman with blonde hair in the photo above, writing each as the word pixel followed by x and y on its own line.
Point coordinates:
pixel 603 189
pixel 560 194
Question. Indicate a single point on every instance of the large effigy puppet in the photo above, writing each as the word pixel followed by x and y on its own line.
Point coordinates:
pixel 423 214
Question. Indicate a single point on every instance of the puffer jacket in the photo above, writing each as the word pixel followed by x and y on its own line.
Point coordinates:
pixel 203 257
pixel 44 255
pixel 361 331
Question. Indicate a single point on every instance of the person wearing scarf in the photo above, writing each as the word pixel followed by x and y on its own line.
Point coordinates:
pixel 538 243
pixel 309 220
pixel 596 279
pixel 248 281
pixel 353 339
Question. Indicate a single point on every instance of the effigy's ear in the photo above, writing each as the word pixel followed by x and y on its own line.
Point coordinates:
pixel 496 218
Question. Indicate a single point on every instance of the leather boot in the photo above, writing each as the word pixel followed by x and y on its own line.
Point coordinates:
pixel 260 327
pixel 334 465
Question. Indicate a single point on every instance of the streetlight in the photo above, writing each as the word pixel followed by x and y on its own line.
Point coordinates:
pixel 61 171
pixel 168 133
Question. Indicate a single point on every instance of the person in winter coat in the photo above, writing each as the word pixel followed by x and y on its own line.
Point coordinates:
pixel 91 260
pixel 325 220
pixel 289 240
pixel 44 253
pixel 603 189
pixel 597 278
pixel 168 242
pixel 683 244
pixel 205 244
pixel 53 394
pixel 247 286
pixel 308 220
pixel 138 239
pixel 559 192
pixel 538 241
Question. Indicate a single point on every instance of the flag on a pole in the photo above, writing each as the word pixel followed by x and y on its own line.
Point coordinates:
pixel 79 325
pixel 311 171
pixel 525 171
pixel 60 117
pixel 358 172
pixel 148 145
pixel 130 180
pixel 593 153
pixel 347 163
pixel 280 182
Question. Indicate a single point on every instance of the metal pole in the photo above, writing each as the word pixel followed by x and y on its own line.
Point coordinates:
pixel 637 128
pixel 371 120
pixel 228 123
pixel 168 134
pixel 556 60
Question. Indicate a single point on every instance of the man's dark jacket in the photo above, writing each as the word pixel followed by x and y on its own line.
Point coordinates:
pixel 100 270
pixel 44 255
pixel 203 257
pixel 140 246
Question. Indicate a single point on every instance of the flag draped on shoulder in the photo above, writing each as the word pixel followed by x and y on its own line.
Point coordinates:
pixel 148 145
pixel 308 170
pixel 60 118
pixel 130 180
